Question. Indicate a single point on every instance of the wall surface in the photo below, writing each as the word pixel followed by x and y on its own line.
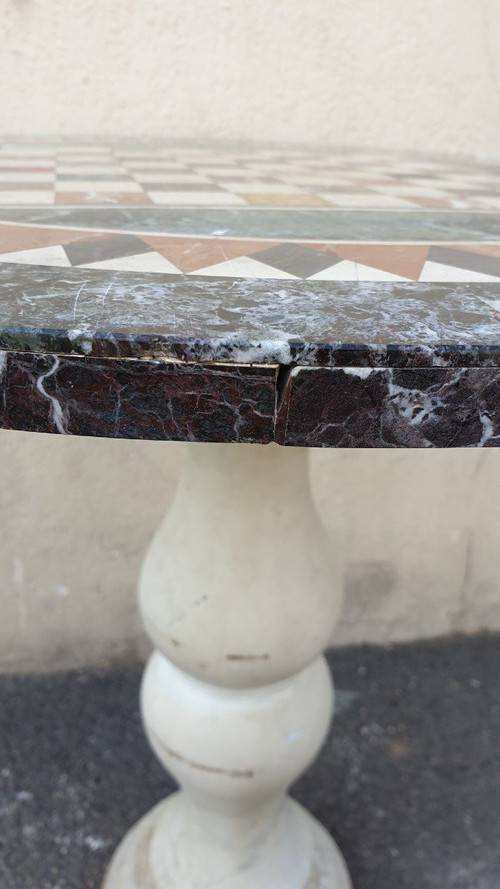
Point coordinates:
pixel 417 531
pixel 419 74
pixel 416 534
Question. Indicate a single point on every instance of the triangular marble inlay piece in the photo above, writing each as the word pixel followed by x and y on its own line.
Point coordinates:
pixel 436 272
pixel 54 255
pixel 142 262
pixel 481 249
pixel 31 237
pixel 470 260
pixel 405 260
pixel 354 271
pixel 190 254
pixel 296 259
pixel 243 267
pixel 105 247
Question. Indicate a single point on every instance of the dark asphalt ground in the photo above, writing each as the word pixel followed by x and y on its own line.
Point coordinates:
pixel 408 783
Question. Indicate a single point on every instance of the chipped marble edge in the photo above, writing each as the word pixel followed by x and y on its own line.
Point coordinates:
pixel 308 323
pixel 226 350
pixel 142 400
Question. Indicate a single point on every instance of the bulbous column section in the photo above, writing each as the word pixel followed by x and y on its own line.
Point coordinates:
pixel 239 593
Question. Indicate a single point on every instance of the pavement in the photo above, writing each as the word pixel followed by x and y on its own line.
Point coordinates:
pixel 408 782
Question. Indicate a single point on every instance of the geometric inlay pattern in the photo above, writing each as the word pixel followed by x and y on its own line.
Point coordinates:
pixel 107 173
pixel 195 293
pixel 233 258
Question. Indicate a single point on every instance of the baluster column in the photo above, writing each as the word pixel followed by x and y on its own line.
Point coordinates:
pixel 239 593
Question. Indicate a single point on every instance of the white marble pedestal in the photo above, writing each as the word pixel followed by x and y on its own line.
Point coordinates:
pixel 239 593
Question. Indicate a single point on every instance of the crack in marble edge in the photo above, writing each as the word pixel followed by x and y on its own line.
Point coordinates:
pixel 283 379
pixel 141 359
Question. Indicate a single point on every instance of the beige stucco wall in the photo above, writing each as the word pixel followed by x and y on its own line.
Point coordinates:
pixel 398 73
pixel 417 534
pixel 418 531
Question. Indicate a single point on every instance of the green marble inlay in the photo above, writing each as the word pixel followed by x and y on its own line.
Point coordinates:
pixel 249 222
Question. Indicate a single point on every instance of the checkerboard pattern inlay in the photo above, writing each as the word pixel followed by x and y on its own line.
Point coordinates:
pixel 109 174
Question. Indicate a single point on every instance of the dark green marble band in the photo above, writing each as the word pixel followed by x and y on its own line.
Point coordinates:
pixel 282 224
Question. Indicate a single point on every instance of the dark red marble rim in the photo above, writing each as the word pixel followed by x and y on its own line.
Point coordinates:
pixel 433 407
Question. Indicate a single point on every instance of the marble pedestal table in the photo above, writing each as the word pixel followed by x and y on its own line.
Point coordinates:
pixel 231 298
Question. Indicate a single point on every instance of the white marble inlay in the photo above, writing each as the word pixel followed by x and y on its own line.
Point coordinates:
pixel 354 271
pixel 243 267
pixel 436 271
pixel 55 256
pixel 30 196
pixel 143 262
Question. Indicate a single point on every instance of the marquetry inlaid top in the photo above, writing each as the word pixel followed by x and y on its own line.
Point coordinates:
pixel 279 267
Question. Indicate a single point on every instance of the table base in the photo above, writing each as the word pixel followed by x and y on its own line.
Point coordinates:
pixel 151 856
pixel 239 593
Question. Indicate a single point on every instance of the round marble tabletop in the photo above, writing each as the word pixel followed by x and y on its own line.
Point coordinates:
pixel 192 293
